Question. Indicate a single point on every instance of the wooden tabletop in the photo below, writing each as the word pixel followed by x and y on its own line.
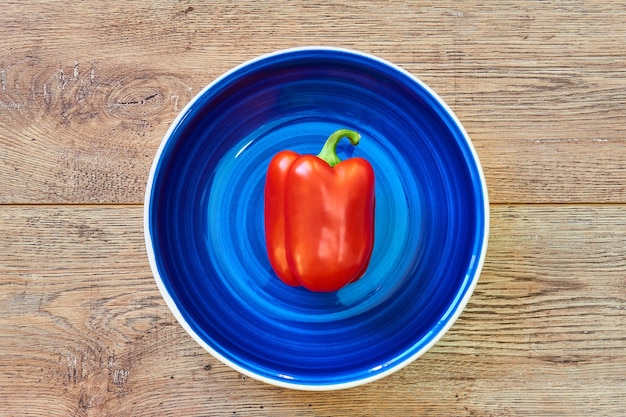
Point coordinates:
pixel 88 90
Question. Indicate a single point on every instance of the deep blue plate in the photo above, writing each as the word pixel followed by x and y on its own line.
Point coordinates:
pixel 204 219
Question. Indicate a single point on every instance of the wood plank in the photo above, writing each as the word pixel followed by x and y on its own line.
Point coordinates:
pixel 88 90
pixel 84 331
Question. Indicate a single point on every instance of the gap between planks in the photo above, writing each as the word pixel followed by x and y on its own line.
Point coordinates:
pixel 135 205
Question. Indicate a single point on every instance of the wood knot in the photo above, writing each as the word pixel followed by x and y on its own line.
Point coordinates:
pixel 138 99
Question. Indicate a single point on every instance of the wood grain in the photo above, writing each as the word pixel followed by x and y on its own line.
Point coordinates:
pixel 88 90
pixel 84 331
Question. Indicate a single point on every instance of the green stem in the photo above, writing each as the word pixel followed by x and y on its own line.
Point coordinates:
pixel 329 151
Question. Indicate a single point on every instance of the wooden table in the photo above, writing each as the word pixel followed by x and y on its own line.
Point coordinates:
pixel 87 91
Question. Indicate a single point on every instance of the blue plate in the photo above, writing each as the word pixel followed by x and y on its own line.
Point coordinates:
pixel 204 219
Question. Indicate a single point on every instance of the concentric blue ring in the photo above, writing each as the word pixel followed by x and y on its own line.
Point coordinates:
pixel 204 218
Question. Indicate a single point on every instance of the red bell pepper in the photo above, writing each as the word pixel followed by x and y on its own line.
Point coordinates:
pixel 319 216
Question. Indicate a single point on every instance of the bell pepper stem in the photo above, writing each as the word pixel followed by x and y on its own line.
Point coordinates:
pixel 329 151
